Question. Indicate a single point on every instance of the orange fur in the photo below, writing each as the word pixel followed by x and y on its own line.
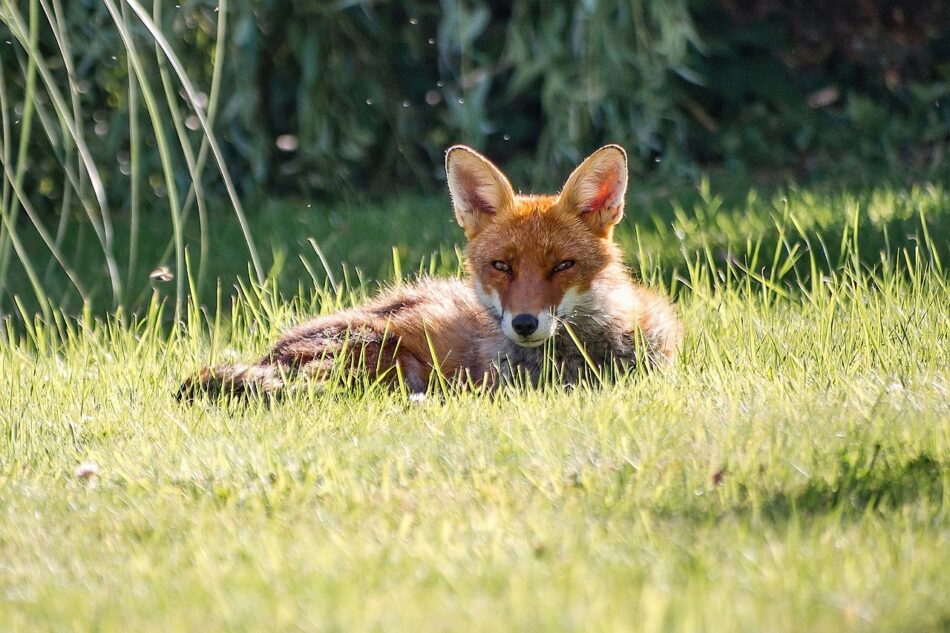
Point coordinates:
pixel 548 259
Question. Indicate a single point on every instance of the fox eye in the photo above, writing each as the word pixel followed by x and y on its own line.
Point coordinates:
pixel 502 266
pixel 567 263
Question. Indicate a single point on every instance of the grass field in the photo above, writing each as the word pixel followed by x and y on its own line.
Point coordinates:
pixel 789 473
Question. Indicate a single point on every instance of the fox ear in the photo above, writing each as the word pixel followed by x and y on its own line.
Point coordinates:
pixel 479 189
pixel 597 187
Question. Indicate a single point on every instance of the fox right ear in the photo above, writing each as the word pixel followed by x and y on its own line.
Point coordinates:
pixel 597 187
pixel 479 190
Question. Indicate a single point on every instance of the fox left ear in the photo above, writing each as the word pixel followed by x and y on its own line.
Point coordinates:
pixel 479 190
pixel 597 187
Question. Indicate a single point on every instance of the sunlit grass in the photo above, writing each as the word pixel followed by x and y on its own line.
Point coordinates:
pixel 789 473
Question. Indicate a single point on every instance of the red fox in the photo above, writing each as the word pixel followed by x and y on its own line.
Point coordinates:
pixel 546 281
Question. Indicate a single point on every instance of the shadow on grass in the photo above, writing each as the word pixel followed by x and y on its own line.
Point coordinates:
pixel 857 489
pixel 856 486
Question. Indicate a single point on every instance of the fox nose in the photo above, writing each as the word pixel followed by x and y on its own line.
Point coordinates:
pixel 524 324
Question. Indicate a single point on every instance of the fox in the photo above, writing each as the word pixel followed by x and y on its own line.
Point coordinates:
pixel 544 276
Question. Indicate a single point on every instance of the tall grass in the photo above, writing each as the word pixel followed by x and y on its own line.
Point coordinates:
pixel 54 90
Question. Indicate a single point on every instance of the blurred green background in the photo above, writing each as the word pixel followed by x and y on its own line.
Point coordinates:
pixel 110 109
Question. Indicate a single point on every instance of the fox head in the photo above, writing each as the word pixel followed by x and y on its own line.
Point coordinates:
pixel 533 259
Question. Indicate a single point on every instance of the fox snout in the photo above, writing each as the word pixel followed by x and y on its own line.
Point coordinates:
pixel 524 324
pixel 527 329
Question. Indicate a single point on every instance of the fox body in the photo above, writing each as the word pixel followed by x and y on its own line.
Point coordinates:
pixel 544 277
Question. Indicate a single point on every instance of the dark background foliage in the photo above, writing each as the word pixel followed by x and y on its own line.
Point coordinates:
pixel 349 97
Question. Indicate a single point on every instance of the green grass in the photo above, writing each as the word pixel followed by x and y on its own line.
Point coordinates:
pixel 789 473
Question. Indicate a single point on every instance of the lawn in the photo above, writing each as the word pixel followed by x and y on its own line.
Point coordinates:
pixel 789 473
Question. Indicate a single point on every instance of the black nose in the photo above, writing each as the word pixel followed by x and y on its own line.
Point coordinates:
pixel 524 324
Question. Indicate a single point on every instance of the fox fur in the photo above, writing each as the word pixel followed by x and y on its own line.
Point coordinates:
pixel 544 278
